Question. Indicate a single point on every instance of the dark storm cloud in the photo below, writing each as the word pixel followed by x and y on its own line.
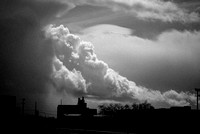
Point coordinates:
pixel 25 54
pixel 147 19
pixel 149 29
pixel 166 11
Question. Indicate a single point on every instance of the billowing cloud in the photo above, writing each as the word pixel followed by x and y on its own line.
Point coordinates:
pixel 169 62
pixel 63 78
pixel 166 11
pixel 89 76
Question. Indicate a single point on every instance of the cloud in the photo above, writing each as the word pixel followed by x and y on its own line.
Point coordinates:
pixel 72 80
pixel 30 62
pixel 166 11
pixel 169 62
pixel 171 96
pixel 25 54
pixel 93 78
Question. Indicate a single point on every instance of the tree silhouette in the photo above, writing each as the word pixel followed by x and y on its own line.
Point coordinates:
pixel 117 108
pixel 145 106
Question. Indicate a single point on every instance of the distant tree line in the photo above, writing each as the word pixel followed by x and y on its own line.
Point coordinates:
pixel 117 108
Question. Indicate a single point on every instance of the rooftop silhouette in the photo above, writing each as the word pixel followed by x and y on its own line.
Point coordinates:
pixel 135 118
pixel 79 109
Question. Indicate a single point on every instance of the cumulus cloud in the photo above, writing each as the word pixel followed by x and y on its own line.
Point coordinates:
pixel 78 71
pixel 166 11
pixel 63 78
pixel 169 62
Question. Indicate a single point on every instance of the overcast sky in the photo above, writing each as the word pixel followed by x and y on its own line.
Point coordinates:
pixel 143 49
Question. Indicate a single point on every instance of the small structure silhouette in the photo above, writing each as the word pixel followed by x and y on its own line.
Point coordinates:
pixel 79 109
pixel 180 109
pixel 8 106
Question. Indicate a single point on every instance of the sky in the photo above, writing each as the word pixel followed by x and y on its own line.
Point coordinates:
pixel 126 51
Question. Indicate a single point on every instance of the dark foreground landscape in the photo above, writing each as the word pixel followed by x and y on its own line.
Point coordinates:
pixel 173 120
pixel 141 122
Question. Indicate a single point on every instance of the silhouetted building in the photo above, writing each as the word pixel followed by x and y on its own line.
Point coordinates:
pixel 79 109
pixel 8 106
pixel 181 109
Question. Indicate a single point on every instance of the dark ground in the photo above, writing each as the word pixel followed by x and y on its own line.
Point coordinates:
pixel 174 120
pixel 139 122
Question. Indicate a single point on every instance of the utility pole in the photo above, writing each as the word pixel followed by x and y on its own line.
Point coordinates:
pixel 197 90
pixel 36 106
pixel 23 103
pixel 61 102
pixel 36 111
